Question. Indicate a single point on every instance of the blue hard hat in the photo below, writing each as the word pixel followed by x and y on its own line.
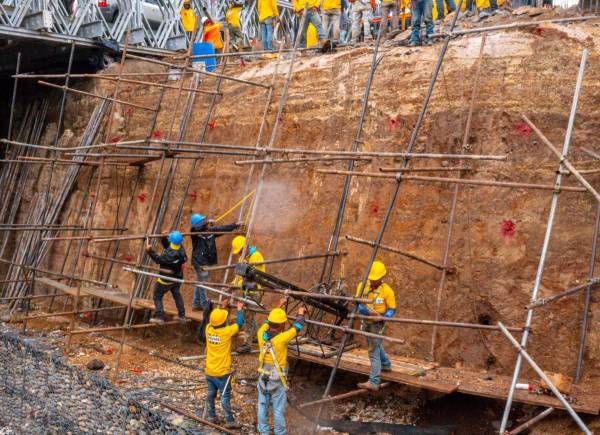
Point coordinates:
pixel 175 237
pixel 252 250
pixel 197 218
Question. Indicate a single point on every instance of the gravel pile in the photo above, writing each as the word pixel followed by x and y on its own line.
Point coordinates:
pixel 40 393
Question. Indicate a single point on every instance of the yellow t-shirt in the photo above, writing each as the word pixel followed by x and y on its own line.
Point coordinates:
pixel 188 19
pixel 279 343
pixel 383 297
pixel 233 16
pixel 218 349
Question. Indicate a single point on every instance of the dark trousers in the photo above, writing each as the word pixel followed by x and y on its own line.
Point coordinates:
pixel 160 290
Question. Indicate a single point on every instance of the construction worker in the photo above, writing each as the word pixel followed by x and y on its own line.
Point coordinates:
pixel 362 11
pixel 204 253
pixel 171 261
pixel 312 16
pixel 251 289
pixel 383 305
pixel 232 17
pixel 332 12
pixel 272 384
pixel 188 18
pixel 211 32
pixel 421 11
pixel 219 336
pixel 389 7
pixel 268 15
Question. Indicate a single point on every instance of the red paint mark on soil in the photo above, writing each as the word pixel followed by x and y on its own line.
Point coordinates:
pixel 242 63
pixel 108 351
pixel 523 129
pixel 115 139
pixel 142 196
pixel 253 42
pixel 373 208
pixel 137 371
pixel 393 123
pixel 193 194
pixel 539 31
pixel 128 111
pixel 156 134
pixel 212 124
pixel 508 228
pixel 127 258
pixel 87 315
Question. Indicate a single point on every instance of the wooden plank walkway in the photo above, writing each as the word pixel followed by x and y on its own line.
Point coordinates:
pixel 409 371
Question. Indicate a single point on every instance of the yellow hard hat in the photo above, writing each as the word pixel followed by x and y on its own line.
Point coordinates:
pixel 218 316
pixel 237 244
pixel 378 271
pixel 277 315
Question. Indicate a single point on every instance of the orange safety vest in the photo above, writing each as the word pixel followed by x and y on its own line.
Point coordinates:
pixel 212 33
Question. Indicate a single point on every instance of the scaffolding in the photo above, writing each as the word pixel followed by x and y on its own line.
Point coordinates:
pixel 98 151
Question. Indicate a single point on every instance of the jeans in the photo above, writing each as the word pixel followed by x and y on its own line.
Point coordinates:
pixel 331 23
pixel 377 355
pixel 274 393
pixel 493 5
pixel 200 296
pixel 440 7
pixel 361 11
pixel 386 9
pixel 421 11
pixel 222 384
pixel 160 290
pixel 312 16
pixel 266 34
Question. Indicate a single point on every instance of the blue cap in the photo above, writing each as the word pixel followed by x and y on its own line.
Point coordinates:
pixel 175 237
pixel 197 218
pixel 252 250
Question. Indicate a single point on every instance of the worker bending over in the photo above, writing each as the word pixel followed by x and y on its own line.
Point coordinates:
pixel 219 336
pixel 204 253
pixel 211 32
pixel 250 288
pixel 273 340
pixel 171 261
pixel 383 303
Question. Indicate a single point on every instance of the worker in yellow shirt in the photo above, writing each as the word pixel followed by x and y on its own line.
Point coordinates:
pixel 273 340
pixel 383 304
pixel 211 32
pixel 188 18
pixel 312 16
pixel 268 15
pixel 251 289
pixel 232 17
pixel 330 15
pixel 219 336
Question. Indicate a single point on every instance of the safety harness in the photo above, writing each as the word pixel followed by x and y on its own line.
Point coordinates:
pixel 268 347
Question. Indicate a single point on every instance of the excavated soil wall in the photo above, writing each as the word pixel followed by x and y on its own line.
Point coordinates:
pixel 498 232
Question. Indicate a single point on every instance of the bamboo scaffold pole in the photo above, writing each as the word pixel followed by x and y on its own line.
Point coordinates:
pixel 90 94
pixel 279 260
pixel 206 73
pixel 13 105
pixel 302 160
pixel 436 323
pixel 540 302
pixel 587 300
pixel 72 312
pixel 542 415
pixel 113 78
pixel 565 161
pixel 396 251
pixel 122 327
pixel 148 221
pixel 465 181
pixel 90 217
pixel 452 215
pixel 426 169
pixel 546 242
pixel 104 239
pixel 391 202
pixel 547 380
pixel 353 393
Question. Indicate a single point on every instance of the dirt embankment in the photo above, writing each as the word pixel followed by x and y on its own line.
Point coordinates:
pixel 498 232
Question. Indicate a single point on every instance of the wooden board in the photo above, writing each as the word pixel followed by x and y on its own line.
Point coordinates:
pixel 117 297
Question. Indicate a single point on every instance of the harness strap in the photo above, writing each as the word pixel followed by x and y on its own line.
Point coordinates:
pixel 268 346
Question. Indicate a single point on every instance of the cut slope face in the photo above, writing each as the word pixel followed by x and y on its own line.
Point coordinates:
pixel 498 232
